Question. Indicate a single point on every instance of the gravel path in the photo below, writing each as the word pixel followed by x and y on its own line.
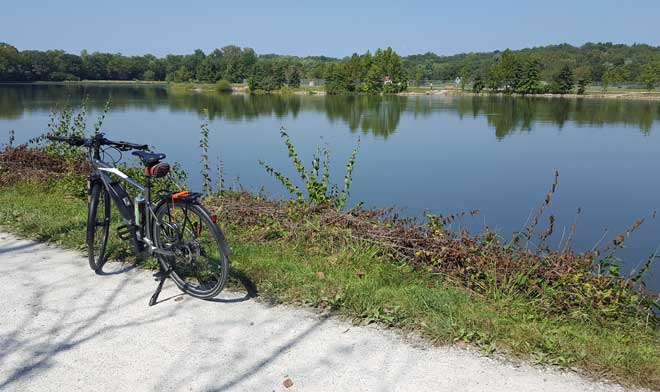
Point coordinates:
pixel 67 329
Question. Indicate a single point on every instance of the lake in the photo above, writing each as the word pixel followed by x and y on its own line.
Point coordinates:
pixel 439 154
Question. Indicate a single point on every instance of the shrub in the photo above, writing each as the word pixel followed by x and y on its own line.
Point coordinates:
pixel 149 75
pixel 316 178
pixel 223 86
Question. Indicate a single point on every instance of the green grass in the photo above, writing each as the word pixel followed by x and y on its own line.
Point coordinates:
pixel 357 284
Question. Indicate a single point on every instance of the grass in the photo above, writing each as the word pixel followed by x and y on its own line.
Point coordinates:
pixel 358 283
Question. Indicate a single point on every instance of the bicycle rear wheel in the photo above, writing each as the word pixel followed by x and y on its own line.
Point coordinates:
pixel 98 226
pixel 200 264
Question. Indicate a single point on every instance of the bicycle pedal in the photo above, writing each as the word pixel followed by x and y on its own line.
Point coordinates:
pixel 126 232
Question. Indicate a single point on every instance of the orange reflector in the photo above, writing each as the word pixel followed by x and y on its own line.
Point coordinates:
pixel 214 218
pixel 180 194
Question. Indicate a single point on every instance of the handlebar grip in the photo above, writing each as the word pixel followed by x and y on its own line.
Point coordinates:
pixel 136 146
pixel 126 145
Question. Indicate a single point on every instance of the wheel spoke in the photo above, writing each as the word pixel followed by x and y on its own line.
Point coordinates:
pixel 194 241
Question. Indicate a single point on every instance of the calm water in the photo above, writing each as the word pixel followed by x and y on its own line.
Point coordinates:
pixel 435 154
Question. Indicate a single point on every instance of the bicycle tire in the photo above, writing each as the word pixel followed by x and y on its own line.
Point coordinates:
pixel 98 230
pixel 181 265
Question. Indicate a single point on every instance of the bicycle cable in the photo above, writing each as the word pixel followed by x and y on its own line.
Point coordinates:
pixel 111 157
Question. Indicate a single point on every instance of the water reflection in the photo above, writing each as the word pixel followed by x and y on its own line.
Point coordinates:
pixel 509 114
pixel 379 116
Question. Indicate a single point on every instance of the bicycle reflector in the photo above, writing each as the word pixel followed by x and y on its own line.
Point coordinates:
pixel 214 218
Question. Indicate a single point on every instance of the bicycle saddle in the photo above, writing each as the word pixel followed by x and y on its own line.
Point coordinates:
pixel 149 158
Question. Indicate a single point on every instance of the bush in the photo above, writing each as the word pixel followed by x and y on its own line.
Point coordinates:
pixel 223 86
pixel 316 178
pixel 149 75
pixel 63 77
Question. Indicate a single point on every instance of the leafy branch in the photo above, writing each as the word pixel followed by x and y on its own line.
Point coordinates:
pixel 317 178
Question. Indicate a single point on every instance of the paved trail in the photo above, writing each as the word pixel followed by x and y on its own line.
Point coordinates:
pixel 64 328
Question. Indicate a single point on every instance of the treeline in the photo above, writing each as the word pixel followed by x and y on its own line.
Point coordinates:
pixel 381 73
pixel 230 63
pixel 602 62
pixel 526 70
pixel 524 73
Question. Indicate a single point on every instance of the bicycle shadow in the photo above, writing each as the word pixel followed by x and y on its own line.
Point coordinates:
pixel 236 279
pixel 125 268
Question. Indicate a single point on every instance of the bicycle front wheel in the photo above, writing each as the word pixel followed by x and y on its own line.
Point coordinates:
pixel 200 264
pixel 98 226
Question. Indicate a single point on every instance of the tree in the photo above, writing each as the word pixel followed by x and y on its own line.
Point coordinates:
pixel 418 76
pixel 582 87
pixel 529 81
pixel 494 79
pixel 505 72
pixel 583 75
pixel 182 75
pixel 563 81
pixel 149 75
pixel 10 69
pixel 509 70
pixel 651 75
pixel 478 84
pixel 336 80
pixel 293 75
pixel 386 73
pixel 614 75
pixel 206 71
pixel 267 75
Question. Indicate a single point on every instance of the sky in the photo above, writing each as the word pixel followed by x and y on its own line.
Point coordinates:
pixel 334 28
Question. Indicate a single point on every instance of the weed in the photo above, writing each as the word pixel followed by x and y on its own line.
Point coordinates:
pixel 204 147
pixel 316 179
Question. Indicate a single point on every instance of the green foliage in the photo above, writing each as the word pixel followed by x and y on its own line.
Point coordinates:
pixel 223 86
pixel 293 74
pixel 596 57
pixel 65 122
pixel 337 80
pixel 562 82
pixel 651 75
pixel 267 76
pixel 236 64
pixel 149 75
pixel 274 74
pixel 478 84
pixel 315 179
pixel 513 73
pixel 502 76
pixel 582 86
pixel 615 75
pixel 381 73
pixel 529 82
pixel 181 75
pixel 204 147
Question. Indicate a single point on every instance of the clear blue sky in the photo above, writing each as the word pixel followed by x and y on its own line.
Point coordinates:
pixel 332 27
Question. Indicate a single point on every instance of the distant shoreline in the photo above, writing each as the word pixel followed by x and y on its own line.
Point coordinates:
pixel 614 93
pixel 90 82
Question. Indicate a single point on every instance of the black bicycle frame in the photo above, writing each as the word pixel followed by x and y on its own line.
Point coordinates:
pixel 141 233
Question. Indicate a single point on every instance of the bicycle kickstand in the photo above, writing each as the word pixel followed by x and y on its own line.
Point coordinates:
pixel 161 275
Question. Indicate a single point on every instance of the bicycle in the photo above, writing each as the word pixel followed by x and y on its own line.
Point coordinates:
pixel 182 234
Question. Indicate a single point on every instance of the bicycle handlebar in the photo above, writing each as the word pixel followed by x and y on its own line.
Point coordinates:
pixel 99 141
